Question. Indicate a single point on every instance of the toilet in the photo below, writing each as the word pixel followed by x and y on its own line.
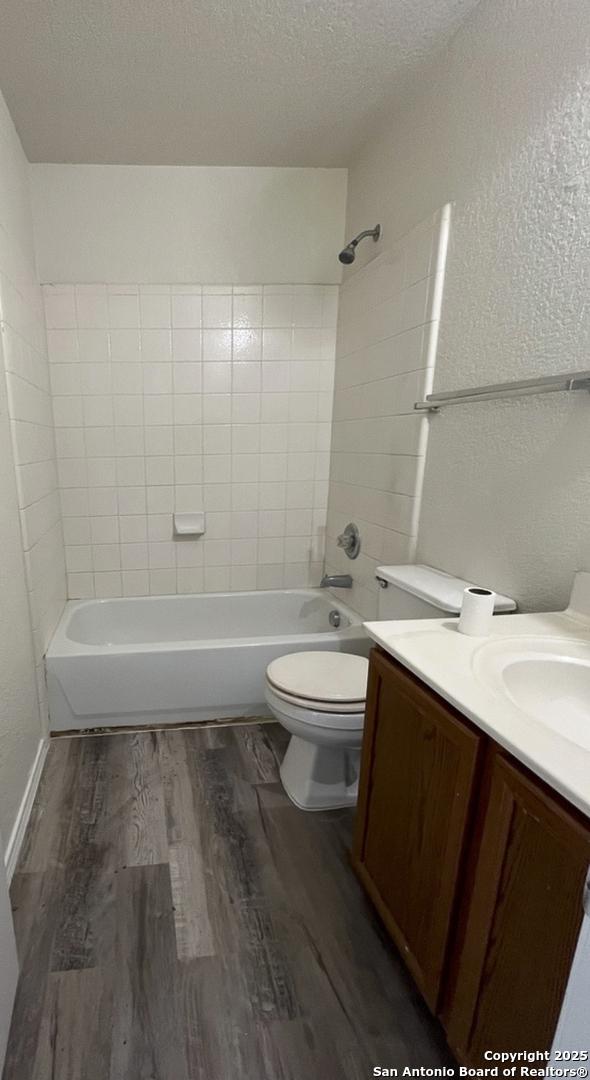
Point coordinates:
pixel 319 697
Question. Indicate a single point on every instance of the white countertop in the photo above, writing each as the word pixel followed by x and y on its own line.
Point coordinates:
pixel 437 653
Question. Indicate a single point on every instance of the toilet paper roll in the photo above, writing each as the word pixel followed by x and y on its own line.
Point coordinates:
pixel 477 610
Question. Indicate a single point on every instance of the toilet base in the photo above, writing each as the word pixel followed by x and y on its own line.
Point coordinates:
pixel 320 777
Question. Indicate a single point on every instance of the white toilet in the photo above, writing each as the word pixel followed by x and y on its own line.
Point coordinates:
pixel 319 697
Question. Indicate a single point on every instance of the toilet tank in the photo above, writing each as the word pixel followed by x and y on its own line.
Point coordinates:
pixel 421 592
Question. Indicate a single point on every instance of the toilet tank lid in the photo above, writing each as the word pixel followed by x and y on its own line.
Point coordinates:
pixel 435 587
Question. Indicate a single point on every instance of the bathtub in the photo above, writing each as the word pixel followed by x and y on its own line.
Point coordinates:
pixel 180 659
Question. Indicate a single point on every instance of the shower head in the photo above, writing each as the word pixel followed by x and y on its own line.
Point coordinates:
pixel 348 254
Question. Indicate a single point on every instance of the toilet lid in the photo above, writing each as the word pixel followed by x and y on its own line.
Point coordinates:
pixel 321 676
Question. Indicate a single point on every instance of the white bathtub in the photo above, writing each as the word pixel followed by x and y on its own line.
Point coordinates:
pixel 175 659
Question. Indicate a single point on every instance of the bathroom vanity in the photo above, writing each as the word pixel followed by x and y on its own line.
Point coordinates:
pixel 476 864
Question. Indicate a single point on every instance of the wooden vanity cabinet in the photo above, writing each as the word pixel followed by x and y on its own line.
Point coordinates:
pixel 476 867
pixel 419 767
pixel 522 918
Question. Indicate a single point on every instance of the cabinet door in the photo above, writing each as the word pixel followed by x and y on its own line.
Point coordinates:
pixel 523 919
pixel 417 778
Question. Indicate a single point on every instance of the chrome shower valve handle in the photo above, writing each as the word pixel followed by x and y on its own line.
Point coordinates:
pixel 350 540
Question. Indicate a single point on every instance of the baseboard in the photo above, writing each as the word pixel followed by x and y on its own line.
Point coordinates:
pixel 24 811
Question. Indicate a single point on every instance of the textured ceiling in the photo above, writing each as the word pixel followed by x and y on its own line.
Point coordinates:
pixel 210 82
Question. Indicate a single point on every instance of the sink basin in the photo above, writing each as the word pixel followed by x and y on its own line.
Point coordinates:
pixel 547 678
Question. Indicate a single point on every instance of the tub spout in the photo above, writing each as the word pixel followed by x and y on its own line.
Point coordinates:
pixel 336 581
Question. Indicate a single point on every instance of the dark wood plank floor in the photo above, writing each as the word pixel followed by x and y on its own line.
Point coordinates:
pixel 178 919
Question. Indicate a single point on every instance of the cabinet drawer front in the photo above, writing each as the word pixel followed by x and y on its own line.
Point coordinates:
pixel 418 787
pixel 523 921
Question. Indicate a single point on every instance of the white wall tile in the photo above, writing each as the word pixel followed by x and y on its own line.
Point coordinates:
pixel 127 378
pixel 385 328
pixel 104 502
pixel 187 409
pixel 159 470
pixel 187 377
pixel 65 378
pixel 107 584
pixel 162 582
pixel 159 440
pixel 123 311
pixel 104 530
pixel 217 377
pixel 157 378
pixel 186 310
pixel 245 408
pixel 131 441
pixel 132 528
pixel 247 345
pixel 160 499
pixel 98 410
pixel 101 472
pixel 216 345
pixel 159 527
pixel 189 580
pixel 277 310
pixel 217 311
pixel 124 345
pixel 246 378
pixel 60 309
pixel 154 311
pixel 91 310
pixel 132 500
pixel 187 345
pixel 188 439
pixel 164 397
pixel 93 346
pixel 99 442
pixel 247 311
pixel 158 409
pixel 156 345
pixel 216 578
pixel 78 558
pixel 135 583
pixel 62 346
pixel 106 556
pixel 216 408
pixel 189 553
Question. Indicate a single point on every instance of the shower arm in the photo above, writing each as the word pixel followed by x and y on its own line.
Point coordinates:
pixel 375 233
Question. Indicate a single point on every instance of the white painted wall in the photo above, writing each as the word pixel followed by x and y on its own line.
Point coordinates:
pixel 499 127
pixel 32 594
pixel 97 223
pixel 8 962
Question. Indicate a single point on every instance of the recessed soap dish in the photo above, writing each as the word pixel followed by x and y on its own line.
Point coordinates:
pixel 189 524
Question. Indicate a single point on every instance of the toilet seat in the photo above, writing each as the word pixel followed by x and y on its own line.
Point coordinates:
pixel 345 707
pixel 307 718
pixel 321 681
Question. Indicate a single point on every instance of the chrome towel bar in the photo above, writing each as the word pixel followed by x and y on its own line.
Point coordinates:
pixel 548 384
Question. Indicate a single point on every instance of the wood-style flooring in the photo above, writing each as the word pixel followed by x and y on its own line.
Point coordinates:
pixel 178 919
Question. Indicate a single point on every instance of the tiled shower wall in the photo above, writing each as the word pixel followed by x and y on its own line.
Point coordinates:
pixel 186 398
pixel 386 350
